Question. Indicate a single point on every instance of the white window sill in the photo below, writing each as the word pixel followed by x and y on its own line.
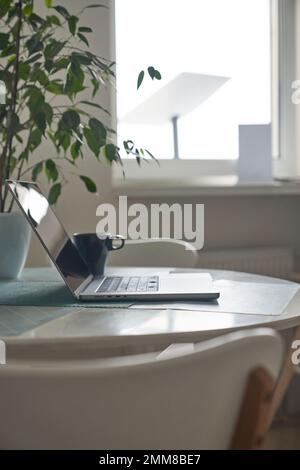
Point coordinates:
pixel 205 186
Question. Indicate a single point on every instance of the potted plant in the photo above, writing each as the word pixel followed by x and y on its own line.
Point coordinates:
pixel 42 60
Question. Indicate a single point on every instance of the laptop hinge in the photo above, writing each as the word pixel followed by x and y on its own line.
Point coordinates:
pixel 83 286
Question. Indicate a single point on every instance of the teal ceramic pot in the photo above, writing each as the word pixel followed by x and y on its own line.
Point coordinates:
pixel 15 234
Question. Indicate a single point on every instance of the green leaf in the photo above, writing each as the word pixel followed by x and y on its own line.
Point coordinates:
pixel 47 109
pixel 72 22
pixel 14 124
pixel 128 146
pixel 9 50
pixel 24 155
pixel 19 139
pixel 70 120
pixel 75 150
pixel 89 184
pixel 48 3
pixel 82 59
pixel 151 71
pixel 66 141
pixel 96 85
pixel 41 77
pixel 36 100
pixel 140 78
pixel 80 111
pixel 3 114
pixel 58 139
pixel 110 152
pixel 99 130
pixel 76 70
pixel 62 11
pixel 95 105
pixel 36 21
pixel 11 60
pixel 95 6
pixel 37 169
pixel 75 79
pixel 4 38
pixel 54 193
pixel 91 141
pixel 150 154
pixel 85 29
pixel 40 121
pixel 35 139
pixel 24 71
pixel 83 39
pixel 34 44
pixel 154 73
pixel 53 48
pixel 95 135
pixel 55 88
pixel 48 65
pixel 51 170
pixel 60 64
pixel 54 20
pixel 12 164
pixel 27 10
pixel 34 58
pixel 4 7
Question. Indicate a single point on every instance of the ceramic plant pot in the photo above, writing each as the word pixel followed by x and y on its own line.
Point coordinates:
pixel 15 234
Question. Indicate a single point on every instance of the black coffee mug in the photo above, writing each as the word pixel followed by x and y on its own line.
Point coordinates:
pixel 94 249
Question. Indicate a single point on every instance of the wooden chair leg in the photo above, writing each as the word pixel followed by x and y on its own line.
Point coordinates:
pixel 255 410
pixel 261 402
pixel 284 381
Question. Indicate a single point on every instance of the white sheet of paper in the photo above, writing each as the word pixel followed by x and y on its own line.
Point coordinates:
pixel 238 297
pixel 255 154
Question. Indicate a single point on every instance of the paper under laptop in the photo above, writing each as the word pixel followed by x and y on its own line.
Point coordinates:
pixel 250 298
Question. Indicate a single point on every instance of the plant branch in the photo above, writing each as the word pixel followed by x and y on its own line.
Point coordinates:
pixel 7 151
pixel 28 169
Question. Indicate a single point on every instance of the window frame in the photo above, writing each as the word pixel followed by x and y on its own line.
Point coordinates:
pixel 284 69
pixel 207 171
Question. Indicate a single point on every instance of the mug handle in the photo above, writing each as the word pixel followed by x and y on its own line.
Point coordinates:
pixel 113 247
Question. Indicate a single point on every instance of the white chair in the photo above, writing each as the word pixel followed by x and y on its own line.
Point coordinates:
pixel 149 253
pixel 211 395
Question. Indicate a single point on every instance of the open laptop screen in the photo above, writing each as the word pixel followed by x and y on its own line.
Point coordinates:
pixel 51 233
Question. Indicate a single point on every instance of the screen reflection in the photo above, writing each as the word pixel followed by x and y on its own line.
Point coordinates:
pixel 51 233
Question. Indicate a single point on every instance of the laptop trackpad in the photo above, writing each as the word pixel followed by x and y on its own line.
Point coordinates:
pixel 186 283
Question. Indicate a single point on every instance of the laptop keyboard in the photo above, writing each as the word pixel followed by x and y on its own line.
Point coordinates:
pixel 129 284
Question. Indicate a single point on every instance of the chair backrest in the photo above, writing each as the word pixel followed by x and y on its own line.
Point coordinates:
pixel 148 253
pixel 182 398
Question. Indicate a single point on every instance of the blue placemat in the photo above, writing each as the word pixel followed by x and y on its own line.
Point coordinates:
pixel 28 291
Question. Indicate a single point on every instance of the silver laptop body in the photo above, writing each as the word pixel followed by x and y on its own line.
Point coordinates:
pixel 74 271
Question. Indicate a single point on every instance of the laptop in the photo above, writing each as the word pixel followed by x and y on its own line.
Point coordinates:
pixel 75 273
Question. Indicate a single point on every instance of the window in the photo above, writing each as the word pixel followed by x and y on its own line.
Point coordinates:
pixel 221 58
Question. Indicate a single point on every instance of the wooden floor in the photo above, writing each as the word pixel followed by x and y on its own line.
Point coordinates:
pixel 284 434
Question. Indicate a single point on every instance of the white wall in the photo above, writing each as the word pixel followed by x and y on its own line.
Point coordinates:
pixel 297 20
pixel 77 207
pixel 229 221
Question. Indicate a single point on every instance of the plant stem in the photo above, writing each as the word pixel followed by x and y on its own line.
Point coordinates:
pixel 7 151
